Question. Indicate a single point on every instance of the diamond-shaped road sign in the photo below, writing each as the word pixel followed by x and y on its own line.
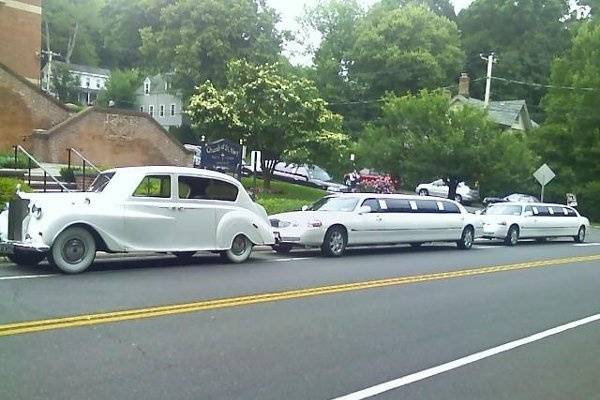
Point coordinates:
pixel 544 174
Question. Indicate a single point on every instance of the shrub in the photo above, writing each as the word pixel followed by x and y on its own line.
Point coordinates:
pixel 7 160
pixel 381 184
pixel 8 188
pixel 588 201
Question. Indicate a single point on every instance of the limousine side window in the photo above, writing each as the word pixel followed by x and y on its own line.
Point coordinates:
pixel 198 188
pixel 450 208
pixel 427 206
pixel 154 186
pixel 571 212
pixel 398 206
pixel 373 203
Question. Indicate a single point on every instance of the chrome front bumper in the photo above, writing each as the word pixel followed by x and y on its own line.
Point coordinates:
pixel 10 247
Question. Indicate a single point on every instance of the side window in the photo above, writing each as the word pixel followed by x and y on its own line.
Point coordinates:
pixel 154 186
pixel 571 212
pixel 451 208
pixel 373 203
pixel 398 206
pixel 427 206
pixel 198 188
pixel 543 211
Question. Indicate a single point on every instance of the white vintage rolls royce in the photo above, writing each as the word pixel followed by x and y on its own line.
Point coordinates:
pixel 136 209
pixel 513 221
pixel 338 221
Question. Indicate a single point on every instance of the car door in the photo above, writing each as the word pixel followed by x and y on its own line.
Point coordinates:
pixel 200 209
pixel 150 214
pixel 368 228
pixel 566 225
pixel 529 226
pixel 430 225
pixel 452 220
pixel 399 221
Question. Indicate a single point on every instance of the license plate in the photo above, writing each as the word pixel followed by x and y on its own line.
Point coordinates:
pixel 7 248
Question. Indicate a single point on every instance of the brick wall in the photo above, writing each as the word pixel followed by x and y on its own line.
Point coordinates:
pixel 21 37
pixel 24 108
pixel 111 138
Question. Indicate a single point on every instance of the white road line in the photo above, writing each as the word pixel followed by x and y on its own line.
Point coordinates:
pixel 418 376
pixel 586 244
pixel 11 278
pixel 289 259
pixel 483 246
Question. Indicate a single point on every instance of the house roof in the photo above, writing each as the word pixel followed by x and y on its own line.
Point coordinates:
pixel 157 86
pixel 84 68
pixel 505 112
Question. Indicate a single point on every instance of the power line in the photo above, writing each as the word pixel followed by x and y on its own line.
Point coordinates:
pixel 540 85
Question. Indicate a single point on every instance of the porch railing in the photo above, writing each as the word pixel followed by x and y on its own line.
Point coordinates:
pixel 30 161
pixel 84 162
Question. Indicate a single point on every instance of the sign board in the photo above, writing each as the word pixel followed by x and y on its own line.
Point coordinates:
pixel 222 155
pixel 544 175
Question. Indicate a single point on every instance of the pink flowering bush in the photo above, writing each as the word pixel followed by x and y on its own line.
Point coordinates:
pixel 379 184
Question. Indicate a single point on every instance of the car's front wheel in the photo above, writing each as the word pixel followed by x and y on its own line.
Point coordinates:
pixel 73 251
pixel 26 258
pixel 512 237
pixel 335 241
pixel 580 238
pixel 467 238
pixel 240 250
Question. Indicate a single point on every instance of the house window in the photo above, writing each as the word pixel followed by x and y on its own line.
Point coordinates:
pixel 98 84
pixel 87 82
pixel 147 87
pixel 141 108
pixel 151 111
pixel 172 110
pixel 162 110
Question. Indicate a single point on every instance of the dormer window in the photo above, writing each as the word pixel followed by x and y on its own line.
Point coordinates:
pixel 87 81
pixel 147 86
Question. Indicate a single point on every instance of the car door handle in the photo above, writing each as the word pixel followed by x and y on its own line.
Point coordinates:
pixel 168 207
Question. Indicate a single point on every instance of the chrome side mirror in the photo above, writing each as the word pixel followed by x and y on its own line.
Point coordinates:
pixel 305 208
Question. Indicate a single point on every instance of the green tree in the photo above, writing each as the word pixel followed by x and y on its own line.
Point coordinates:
pixel 405 49
pixel 569 141
pixel 281 115
pixel 120 88
pixel 443 8
pixel 419 138
pixel 197 39
pixel 75 22
pixel 64 84
pixel 526 35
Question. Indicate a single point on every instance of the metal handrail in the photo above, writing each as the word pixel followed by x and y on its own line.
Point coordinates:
pixel 85 160
pixel 46 172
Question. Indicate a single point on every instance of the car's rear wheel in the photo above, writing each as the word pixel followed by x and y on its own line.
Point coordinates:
pixel 423 192
pixel 512 237
pixel 73 251
pixel 467 239
pixel 26 258
pixel 335 241
pixel 580 238
pixel 282 248
pixel 240 250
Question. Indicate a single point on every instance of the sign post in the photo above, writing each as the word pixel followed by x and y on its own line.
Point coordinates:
pixel 544 175
pixel 255 160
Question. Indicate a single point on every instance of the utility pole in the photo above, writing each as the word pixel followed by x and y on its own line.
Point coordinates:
pixel 50 55
pixel 491 60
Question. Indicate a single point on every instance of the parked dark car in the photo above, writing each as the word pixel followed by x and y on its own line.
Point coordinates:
pixel 303 174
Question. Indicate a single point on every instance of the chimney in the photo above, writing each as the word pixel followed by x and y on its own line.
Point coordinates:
pixel 463 85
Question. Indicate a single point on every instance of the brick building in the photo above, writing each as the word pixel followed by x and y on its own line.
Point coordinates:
pixel 21 37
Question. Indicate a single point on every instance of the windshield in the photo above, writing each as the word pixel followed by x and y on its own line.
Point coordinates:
pixel 502 209
pixel 100 182
pixel 319 173
pixel 344 204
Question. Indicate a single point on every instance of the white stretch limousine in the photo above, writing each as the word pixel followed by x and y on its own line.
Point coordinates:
pixel 514 221
pixel 338 221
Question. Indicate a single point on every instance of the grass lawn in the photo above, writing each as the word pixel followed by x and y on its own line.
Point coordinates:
pixel 284 196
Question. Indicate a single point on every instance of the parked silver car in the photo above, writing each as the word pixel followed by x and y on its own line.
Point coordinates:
pixel 438 188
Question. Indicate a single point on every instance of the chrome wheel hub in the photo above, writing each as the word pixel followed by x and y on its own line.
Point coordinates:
pixel 336 242
pixel 513 237
pixel 239 245
pixel 468 242
pixel 73 250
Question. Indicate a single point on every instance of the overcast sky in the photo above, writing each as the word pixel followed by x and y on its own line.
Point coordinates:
pixel 290 10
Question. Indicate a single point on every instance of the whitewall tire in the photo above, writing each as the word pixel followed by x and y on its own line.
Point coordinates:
pixel 73 251
pixel 241 248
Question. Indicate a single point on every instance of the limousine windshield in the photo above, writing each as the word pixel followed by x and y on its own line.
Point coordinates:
pixel 344 204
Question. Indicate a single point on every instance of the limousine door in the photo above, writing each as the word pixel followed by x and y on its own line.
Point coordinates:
pixel 368 228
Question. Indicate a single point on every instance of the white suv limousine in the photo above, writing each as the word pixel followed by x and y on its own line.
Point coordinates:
pixel 514 221
pixel 137 209
pixel 338 221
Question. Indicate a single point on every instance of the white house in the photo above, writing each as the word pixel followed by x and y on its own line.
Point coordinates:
pixel 157 98
pixel 91 79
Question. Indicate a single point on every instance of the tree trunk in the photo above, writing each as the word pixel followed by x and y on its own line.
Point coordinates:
pixel 268 166
pixel 452 184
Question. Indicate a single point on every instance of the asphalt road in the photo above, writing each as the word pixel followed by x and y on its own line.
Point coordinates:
pixel 304 327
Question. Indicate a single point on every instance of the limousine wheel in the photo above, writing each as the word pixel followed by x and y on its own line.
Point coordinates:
pixel 335 241
pixel 240 250
pixel 580 238
pixel 26 258
pixel 467 239
pixel 73 251
pixel 512 237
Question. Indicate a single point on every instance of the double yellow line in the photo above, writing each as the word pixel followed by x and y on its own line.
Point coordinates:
pixel 159 311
